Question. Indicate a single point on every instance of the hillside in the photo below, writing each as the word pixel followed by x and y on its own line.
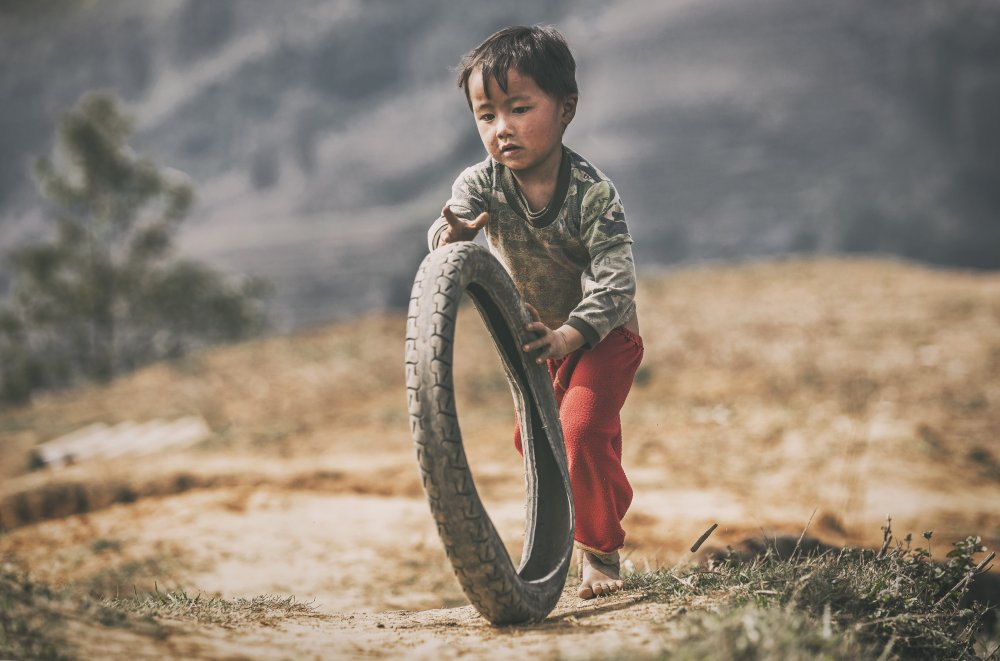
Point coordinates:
pixel 323 136
pixel 773 395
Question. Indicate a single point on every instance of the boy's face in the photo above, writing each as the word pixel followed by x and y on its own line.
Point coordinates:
pixel 521 128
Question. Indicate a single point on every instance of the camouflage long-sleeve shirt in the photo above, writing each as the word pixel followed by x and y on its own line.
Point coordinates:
pixel 572 261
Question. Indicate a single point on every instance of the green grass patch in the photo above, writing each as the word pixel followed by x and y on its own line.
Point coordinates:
pixel 897 602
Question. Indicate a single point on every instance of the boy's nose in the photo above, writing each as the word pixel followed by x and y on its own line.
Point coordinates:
pixel 503 128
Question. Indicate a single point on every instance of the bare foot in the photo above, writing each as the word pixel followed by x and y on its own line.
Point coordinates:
pixel 599 574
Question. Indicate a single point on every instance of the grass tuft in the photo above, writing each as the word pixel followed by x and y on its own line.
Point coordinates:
pixel 229 613
pixel 896 602
pixel 34 616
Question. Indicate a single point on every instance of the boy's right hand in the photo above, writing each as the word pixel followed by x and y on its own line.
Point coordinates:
pixel 461 230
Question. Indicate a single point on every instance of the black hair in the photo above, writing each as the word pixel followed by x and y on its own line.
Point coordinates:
pixel 537 51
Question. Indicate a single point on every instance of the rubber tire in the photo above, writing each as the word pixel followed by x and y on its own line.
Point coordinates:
pixel 482 565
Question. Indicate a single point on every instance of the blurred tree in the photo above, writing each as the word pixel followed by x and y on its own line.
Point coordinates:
pixel 106 295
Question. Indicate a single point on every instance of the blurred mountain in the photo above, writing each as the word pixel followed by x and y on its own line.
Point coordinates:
pixel 323 136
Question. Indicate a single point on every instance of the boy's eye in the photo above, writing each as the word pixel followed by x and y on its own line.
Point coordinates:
pixel 520 110
pixel 486 117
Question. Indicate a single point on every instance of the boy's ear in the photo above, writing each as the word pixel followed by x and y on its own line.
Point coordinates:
pixel 568 108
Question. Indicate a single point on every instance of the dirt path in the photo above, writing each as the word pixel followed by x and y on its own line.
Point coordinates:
pixel 576 630
pixel 372 567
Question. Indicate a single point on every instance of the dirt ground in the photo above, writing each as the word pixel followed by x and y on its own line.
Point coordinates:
pixel 773 396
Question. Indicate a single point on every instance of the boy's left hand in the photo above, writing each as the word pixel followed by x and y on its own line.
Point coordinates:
pixel 554 344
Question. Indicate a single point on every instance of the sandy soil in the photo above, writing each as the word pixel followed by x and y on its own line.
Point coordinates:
pixel 772 396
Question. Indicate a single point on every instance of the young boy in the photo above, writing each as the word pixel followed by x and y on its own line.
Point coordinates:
pixel 557 225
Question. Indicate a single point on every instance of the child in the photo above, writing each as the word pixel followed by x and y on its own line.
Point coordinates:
pixel 557 225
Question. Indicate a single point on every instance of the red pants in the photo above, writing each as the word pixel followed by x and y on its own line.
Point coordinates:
pixel 591 387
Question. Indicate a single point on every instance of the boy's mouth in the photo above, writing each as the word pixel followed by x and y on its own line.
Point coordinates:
pixel 506 149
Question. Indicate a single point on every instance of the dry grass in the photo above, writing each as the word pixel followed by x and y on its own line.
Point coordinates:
pixel 769 391
pixel 851 381
pixel 265 610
